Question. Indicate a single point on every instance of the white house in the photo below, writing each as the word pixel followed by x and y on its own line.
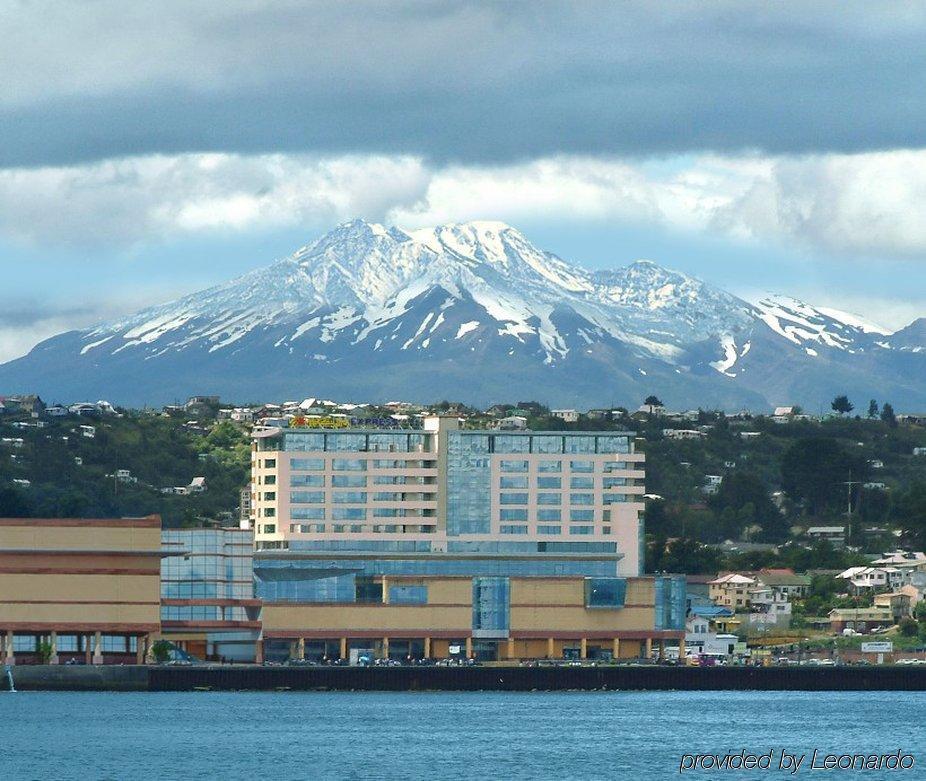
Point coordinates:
pixel 568 415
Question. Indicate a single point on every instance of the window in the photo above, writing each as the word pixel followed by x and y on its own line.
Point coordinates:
pixel 270 496
pixel 610 482
pixel 581 498
pixel 511 443
pixel 582 466
pixel 307 513
pixel 270 480
pixel 307 464
pixel 270 528
pixel 580 444
pixel 582 482
pixel 513 466
pixel 513 482
pixel 348 514
pixel 581 529
pixel 308 481
pixel 270 463
pixel 513 499
pixel 349 481
pixel 348 465
pixel 549 529
pixel 512 529
pixel 519 514
pixel 605 592
pixel 269 512
pixel 612 498
pixel 581 515
pixel 549 498
pixel 549 466
pixel 549 515
pixel 549 444
pixel 306 497
pixel 549 482
pixel 349 497
pixel 408 595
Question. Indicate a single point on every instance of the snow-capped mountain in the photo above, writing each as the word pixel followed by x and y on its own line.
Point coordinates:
pixel 474 311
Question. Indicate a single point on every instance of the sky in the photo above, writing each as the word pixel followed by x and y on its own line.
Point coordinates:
pixel 148 150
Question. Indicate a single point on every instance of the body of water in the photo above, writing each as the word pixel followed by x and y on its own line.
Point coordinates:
pixel 445 735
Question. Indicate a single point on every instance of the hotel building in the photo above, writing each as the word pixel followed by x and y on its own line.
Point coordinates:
pixel 440 488
pixel 443 542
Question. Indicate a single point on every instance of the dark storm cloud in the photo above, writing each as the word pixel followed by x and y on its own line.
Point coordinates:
pixel 465 81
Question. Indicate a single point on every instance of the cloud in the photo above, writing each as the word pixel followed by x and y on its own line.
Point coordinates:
pixel 127 201
pixel 861 205
pixel 468 82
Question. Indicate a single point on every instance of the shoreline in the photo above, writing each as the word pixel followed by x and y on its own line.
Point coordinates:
pixel 496 678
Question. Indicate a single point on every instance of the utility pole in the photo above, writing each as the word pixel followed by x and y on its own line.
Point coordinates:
pixel 848 484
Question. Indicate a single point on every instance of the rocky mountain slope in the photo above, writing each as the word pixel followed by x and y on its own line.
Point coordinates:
pixel 475 312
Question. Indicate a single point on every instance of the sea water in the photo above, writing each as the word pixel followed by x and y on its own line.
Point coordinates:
pixel 451 735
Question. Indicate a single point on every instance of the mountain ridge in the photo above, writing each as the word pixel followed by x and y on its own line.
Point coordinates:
pixel 475 311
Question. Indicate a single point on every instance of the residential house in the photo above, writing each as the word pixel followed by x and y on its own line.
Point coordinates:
pixel 512 423
pixel 835 535
pixel 864 579
pixel 732 591
pixel 197 485
pixel 567 415
pixel 859 619
pixel 898 602
pixel 712 483
pixel 682 433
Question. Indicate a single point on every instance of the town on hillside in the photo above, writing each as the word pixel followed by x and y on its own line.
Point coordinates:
pixel 798 538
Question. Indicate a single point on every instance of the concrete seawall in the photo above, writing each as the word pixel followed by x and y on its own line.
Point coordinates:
pixel 250 678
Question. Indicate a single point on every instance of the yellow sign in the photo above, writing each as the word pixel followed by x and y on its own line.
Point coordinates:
pixel 304 422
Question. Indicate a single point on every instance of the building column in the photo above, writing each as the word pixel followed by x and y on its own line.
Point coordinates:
pixel 53 641
pixel 140 648
pixel 511 648
pixel 427 648
pixel 662 649
pixel 583 648
pixel 98 648
pixel 469 647
pixel 385 590
pixel 300 649
pixel 551 648
pixel 648 647
pixel 385 650
pixel 343 648
pixel 88 649
pixel 616 649
pixel 6 646
pixel 259 651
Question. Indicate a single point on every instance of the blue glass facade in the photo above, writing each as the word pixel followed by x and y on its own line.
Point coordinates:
pixel 282 579
pixel 670 601
pixel 216 564
pixel 491 606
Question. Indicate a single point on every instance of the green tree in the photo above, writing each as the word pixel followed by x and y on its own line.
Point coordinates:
pixel 15 504
pixel 161 651
pixel 872 409
pixel 911 513
pixel 43 651
pixel 743 500
pixel 814 470
pixel 842 405
pixel 887 415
